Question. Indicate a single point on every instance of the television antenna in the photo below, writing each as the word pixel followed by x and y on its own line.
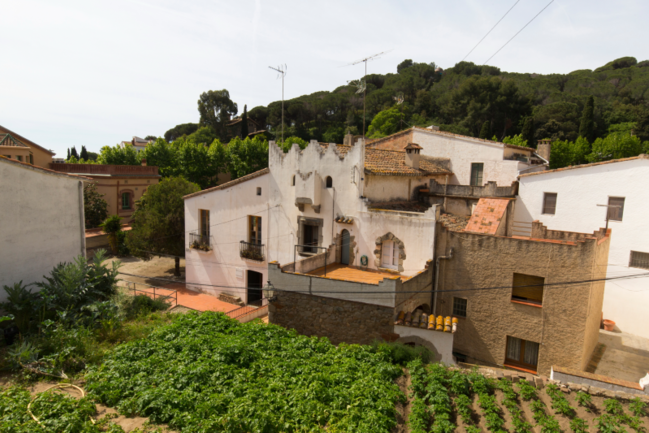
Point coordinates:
pixel 281 71
pixel 364 86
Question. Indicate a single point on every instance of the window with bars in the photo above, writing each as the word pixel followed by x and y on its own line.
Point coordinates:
pixel 477 169
pixel 615 213
pixel 459 307
pixel 522 353
pixel 550 203
pixel 639 260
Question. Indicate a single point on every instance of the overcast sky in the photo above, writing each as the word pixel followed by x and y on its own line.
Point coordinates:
pixel 94 73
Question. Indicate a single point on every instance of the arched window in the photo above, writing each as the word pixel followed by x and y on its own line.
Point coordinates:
pixel 330 182
pixel 126 200
pixel 293 180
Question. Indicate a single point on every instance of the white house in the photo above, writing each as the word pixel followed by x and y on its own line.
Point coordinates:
pixel 474 161
pixel 139 144
pixel 571 199
pixel 42 221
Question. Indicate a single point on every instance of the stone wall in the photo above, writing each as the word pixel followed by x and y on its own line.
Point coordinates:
pixel 340 321
pixel 416 291
pixel 490 189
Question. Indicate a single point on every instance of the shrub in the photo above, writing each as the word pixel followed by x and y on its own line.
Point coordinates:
pixel 402 354
pixel 143 304
pixel 418 419
pixel 613 406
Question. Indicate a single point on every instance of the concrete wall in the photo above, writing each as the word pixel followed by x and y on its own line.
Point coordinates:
pixel 42 222
pixel 564 326
pixel 579 191
pixel 229 210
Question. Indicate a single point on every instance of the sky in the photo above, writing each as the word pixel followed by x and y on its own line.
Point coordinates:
pixel 91 73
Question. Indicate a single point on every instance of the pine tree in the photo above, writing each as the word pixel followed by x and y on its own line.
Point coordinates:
pixel 68 154
pixel 484 131
pixel 84 153
pixel 244 122
pixel 74 152
pixel 587 126
pixel 528 131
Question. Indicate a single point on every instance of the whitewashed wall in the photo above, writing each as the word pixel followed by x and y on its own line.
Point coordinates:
pixel 42 223
pixel 579 191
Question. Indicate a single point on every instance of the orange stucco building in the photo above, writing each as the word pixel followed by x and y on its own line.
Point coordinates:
pixel 15 146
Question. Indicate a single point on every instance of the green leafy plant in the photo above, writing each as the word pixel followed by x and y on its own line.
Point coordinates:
pixel 402 354
pixel 585 400
pixel 559 402
pixel 613 406
pixel 418 419
pixel 608 423
pixel 527 391
pixel 638 407
pixel 578 425
pixel 112 226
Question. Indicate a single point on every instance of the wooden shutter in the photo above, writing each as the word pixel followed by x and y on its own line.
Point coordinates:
pixel 615 213
pixel 550 203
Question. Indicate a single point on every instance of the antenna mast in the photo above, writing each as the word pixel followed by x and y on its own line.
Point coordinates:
pixel 281 69
pixel 362 84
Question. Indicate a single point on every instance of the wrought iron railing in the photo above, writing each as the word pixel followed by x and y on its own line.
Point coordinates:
pixel 251 251
pixel 199 241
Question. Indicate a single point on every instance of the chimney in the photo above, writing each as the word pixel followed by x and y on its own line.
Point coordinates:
pixel 412 155
pixel 143 162
pixel 543 148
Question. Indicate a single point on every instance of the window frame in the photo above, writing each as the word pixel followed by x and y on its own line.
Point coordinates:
pixel 204 222
pixel 525 300
pixel 255 236
pixel 543 206
pixel 393 254
pixel 258 190
pixel 522 352
pixel 473 181
pixel 457 308
pixel 127 195
pixel 631 265
pixel 329 182
pixel 616 214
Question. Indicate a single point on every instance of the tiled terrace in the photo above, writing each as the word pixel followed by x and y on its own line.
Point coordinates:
pixel 341 272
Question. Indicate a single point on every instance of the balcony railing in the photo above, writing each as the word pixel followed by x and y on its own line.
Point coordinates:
pixel 199 241
pixel 251 251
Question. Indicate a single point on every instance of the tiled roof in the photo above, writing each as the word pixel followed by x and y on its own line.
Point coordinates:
pixel 487 216
pixel 572 167
pixel 454 223
pixel 45 170
pixel 231 183
pixel 24 140
pixel 393 163
pixel 9 140
pixel 342 149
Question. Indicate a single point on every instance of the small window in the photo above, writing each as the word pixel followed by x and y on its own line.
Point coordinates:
pixel 615 213
pixel 528 288
pixel 390 255
pixel 31 159
pixel 639 260
pixel 126 200
pixel 459 307
pixel 293 181
pixel 19 158
pixel 254 230
pixel 522 353
pixel 477 169
pixel 550 203
pixel 330 182
pixel 258 190
pixel 205 222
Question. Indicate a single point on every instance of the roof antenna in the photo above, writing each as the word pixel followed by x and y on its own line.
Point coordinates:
pixel 281 69
pixel 361 84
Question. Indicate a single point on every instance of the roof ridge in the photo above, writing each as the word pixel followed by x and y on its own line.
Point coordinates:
pixel 592 164
pixel 233 182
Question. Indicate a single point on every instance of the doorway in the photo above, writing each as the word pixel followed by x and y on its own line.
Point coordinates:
pixel 255 283
pixel 344 252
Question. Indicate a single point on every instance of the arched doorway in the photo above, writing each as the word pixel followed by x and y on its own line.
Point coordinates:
pixel 255 283
pixel 345 245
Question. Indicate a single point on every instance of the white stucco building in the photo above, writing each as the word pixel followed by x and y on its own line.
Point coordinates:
pixel 569 199
pixel 42 221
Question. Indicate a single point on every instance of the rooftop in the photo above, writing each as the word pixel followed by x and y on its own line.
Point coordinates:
pixel 9 140
pixel 234 182
pixel 337 271
pixel 393 163
pixel 24 140
pixel 454 223
pixel 487 216
pixel 594 164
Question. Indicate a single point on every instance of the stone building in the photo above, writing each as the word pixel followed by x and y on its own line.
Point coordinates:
pixel 121 185
pixel 525 302
pixel 15 146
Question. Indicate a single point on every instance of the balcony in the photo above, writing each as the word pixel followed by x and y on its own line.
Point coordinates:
pixel 199 242
pixel 251 251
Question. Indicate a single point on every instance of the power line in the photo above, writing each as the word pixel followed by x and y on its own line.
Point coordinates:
pixel 552 1
pixel 483 38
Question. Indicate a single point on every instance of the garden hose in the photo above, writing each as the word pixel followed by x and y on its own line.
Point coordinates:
pixel 58 385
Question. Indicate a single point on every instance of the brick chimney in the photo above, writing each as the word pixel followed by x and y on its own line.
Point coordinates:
pixel 412 155
pixel 543 149
pixel 143 162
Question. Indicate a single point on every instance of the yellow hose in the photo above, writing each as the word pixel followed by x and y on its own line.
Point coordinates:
pixel 58 385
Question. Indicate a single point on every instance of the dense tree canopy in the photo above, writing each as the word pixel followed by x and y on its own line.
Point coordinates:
pixel 216 109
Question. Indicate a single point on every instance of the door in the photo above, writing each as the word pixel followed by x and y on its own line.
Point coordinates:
pixel 344 256
pixel 310 238
pixel 390 255
pixel 255 283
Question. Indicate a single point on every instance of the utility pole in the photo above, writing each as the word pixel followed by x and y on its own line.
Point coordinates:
pixel 282 71
pixel 363 84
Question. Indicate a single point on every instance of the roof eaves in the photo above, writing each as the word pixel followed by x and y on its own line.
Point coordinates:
pixel 234 182
pixel 20 137
pixel 593 164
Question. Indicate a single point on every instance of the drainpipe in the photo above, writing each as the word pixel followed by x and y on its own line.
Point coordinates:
pixel 82 219
pixel 450 256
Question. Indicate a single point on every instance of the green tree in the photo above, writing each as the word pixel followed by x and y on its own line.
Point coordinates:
pixel 74 153
pixel 158 226
pixel 288 143
pixel 516 140
pixel 385 123
pixel 163 155
pixel 204 136
pixel 565 153
pixel 484 131
pixel 246 156
pixel 84 153
pixel 180 130
pixel 587 125
pixel 244 122
pixel 615 146
pixel 68 154
pixel 527 132
pixel 95 207
pixel 216 108
pixel 118 155
pixel 150 137
pixel 112 226
pixel 403 65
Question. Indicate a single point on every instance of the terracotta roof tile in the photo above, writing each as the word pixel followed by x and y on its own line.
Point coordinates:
pixel 572 167
pixel 393 163
pixel 487 216
pixel 231 183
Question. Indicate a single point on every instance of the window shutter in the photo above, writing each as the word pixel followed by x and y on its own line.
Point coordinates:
pixel 550 203
pixel 386 253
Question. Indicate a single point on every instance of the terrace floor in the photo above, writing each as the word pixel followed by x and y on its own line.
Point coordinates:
pixel 337 271
pixel 620 356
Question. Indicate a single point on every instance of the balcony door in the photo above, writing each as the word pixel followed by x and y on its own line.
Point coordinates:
pixel 255 283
